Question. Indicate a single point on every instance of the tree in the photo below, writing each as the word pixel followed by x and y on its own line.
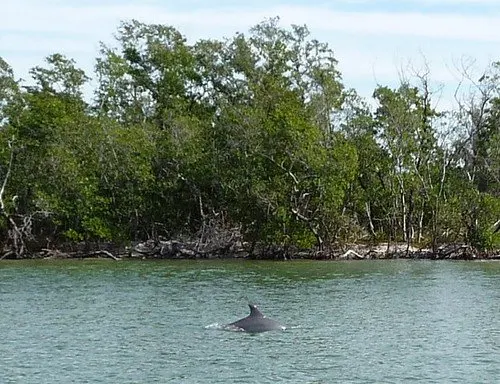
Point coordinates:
pixel 272 139
pixel 404 119
pixel 150 81
pixel 476 157
pixel 252 138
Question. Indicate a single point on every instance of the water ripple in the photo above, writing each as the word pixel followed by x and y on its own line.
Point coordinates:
pixel 380 322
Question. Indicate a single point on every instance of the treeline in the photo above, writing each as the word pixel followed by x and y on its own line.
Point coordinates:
pixel 255 136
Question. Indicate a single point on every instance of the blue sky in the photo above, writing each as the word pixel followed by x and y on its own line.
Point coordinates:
pixel 374 41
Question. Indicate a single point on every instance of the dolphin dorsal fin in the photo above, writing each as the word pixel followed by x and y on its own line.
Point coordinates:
pixel 254 311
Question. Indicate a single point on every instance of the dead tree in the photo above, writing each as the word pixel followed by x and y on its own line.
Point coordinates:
pixel 19 226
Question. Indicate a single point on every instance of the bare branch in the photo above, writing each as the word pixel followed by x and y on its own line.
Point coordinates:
pixel 6 178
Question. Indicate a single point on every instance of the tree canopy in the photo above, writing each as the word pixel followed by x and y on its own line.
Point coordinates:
pixel 255 134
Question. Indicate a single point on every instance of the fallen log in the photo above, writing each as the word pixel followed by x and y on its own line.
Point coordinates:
pixel 350 254
pixel 105 253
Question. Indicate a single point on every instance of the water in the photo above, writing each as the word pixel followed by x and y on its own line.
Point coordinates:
pixel 156 322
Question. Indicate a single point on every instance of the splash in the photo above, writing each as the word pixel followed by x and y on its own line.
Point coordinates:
pixel 224 327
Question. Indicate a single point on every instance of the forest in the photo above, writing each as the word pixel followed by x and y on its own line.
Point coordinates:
pixel 253 139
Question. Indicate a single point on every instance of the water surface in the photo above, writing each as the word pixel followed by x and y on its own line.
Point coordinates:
pixel 153 322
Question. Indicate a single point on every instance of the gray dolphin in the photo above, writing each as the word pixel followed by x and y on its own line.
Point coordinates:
pixel 255 322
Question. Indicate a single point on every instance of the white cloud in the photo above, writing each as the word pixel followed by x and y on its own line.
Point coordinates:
pixel 447 2
pixel 26 43
pixel 371 46
pixel 93 20
pixel 447 26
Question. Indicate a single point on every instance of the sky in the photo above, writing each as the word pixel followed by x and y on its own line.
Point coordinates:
pixel 375 41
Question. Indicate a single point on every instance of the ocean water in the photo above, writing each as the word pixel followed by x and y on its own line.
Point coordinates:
pixel 101 321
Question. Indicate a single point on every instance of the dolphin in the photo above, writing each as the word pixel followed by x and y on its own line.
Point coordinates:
pixel 255 322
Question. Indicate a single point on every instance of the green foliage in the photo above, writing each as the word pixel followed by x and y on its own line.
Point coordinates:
pixel 405 124
pixel 255 132
pixel 482 235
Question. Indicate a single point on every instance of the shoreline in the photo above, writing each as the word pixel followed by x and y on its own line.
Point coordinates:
pixel 177 250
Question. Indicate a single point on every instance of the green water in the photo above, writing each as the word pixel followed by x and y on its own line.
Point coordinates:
pixel 156 322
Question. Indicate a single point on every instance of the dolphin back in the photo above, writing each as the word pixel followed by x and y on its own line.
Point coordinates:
pixel 254 311
pixel 255 322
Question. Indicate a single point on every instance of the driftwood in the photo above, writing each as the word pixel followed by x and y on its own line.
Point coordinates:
pixel 103 253
pixel 7 255
pixel 402 251
pixel 80 251
pixel 174 249
pixel 350 254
